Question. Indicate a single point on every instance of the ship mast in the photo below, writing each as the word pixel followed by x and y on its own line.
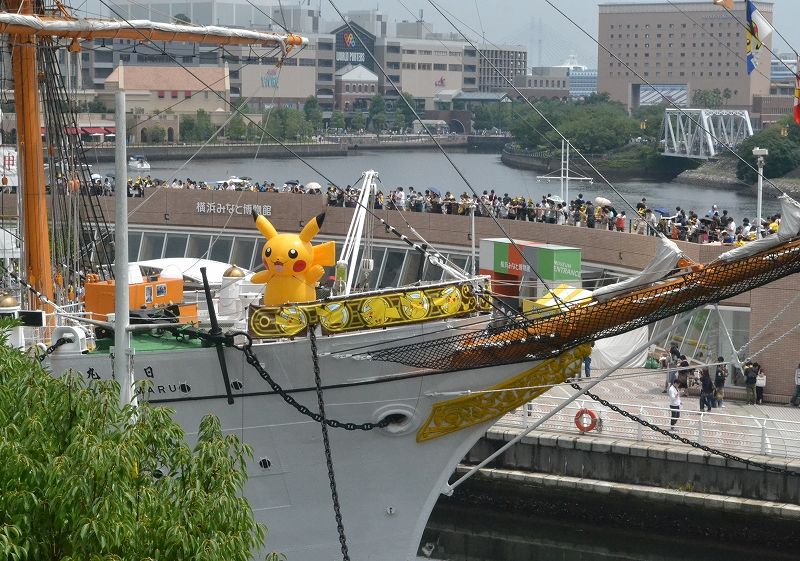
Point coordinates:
pixel 31 171
pixel 24 25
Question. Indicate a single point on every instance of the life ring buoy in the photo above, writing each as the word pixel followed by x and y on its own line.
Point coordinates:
pixel 586 420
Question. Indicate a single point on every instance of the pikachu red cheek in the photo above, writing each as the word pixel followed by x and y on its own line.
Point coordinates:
pixel 299 266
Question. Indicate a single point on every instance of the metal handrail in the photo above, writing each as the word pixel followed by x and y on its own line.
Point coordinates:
pixel 725 431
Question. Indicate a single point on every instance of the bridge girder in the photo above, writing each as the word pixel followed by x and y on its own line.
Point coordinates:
pixel 704 133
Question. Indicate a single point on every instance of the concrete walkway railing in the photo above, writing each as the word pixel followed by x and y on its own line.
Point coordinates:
pixel 736 434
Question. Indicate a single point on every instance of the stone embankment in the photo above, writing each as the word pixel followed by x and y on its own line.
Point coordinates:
pixel 333 146
pixel 722 173
pixel 713 173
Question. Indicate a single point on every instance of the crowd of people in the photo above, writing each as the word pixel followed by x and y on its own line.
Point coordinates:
pixel 711 226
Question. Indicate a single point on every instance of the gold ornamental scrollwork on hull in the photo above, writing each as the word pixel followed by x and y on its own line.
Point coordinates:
pixel 367 311
pixel 468 410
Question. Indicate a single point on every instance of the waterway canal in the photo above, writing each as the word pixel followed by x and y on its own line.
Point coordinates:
pixel 422 169
pixel 487 524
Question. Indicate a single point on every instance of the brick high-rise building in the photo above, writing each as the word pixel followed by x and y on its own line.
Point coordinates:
pixel 666 48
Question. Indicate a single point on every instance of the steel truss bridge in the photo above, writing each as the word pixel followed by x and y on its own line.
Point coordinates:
pixel 704 133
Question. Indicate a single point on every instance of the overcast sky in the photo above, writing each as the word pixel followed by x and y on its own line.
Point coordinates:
pixel 517 22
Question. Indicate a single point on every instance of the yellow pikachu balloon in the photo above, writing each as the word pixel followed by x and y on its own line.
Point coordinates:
pixel 293 265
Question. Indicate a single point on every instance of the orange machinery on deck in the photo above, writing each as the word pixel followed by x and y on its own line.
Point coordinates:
pixel 154 293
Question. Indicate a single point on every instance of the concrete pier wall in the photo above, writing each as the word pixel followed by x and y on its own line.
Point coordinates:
pixel 675 467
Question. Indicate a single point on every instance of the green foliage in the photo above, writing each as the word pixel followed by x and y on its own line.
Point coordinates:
pixel 652 116
pixel 188 128
pixel 378 122
pixel 399 122
pixel 83 479
pixel 313 112
pixel 401 108
pixel 182 18
pixel 197 128
pixel 784 152
pixel 205 128
pixel 376 105
pixel 337 120
pixel 497 115
pixel 708 99
pixel 287 124
pixel 94 106
pixel 599 128
pixel 593 125
pixel 156 134
pixel 236 129
pixel 358 122
pixel 377 112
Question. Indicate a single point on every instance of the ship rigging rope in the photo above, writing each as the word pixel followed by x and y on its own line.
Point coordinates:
pixel 767 325
pixel 41 297
pixel 444 153
pixel 684 440
pixel 719 41
pixel 538 112
pixel 763 45
pixel 541 338
pixel 665 97
pixel 274 138
pixel 256 125
pixel 337 510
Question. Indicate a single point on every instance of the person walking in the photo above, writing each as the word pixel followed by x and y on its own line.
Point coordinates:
pixel 674 404
pixel 761 383
pixel 796 397
pixel 663 364
pixel 719 382
pixel 587 364
pixel 750 374
pixel 706 390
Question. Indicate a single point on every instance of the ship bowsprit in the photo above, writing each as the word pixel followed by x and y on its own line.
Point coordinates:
pixel 521 339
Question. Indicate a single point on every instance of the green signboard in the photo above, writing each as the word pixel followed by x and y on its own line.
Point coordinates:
pixel 559 263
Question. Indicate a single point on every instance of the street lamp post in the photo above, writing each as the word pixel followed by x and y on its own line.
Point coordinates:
pixel 759 153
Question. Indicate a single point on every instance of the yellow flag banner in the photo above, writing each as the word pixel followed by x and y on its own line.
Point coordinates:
pixel 367 311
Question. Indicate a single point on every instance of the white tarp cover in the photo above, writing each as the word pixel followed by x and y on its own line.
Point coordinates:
pixel 663 263
pixel 788 229
pixel 609 351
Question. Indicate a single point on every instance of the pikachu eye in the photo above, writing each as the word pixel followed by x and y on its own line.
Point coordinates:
pixel 293 253
pixel 268 251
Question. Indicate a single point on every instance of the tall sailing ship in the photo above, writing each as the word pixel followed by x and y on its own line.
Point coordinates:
pixel 410 376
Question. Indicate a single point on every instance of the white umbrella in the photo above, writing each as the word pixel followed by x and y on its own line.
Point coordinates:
pixel 97 176
pixel 555 198
pixel 601 201
pixel 313 186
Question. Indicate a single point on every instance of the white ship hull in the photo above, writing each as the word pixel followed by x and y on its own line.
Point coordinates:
pixel 388 483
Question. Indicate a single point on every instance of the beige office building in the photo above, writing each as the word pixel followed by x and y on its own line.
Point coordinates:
pixel 699 47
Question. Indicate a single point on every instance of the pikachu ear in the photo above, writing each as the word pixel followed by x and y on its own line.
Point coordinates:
pixel 264 226
pixel 312 228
